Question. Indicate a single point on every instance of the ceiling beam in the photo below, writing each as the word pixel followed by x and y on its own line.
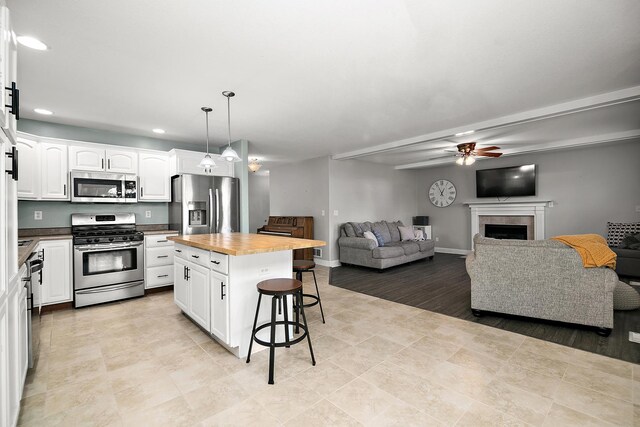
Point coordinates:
pixel 547 146
pixel 584 104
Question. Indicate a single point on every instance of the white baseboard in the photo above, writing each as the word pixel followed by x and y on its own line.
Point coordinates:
pixel 325 263
pixel 453 251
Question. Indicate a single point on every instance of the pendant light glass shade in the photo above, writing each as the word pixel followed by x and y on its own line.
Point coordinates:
pixel 466 160
pixel 207 162
pixel 229 154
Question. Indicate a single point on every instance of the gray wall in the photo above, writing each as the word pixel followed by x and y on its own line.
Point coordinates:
pixel 58 214
pixel 302 189
pixel 258 201
pixel 364 191
pixel 357 190
pixel 589 186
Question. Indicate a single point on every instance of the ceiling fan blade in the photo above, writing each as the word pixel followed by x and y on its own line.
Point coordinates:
pixel 493 147
pixel 489 154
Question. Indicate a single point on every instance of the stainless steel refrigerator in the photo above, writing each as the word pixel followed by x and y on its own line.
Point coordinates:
pixel 204 204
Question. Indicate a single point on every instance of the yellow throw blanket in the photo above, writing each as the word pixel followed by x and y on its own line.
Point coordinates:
pixel 592 248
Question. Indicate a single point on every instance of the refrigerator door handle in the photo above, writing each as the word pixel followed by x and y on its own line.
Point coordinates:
pixel 211 229
pixel 217 211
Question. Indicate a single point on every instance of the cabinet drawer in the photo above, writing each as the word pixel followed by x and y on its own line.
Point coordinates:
pixel 199 257
pixel 219 262
pixel 181 251
pixel 159 256
pixel 158 240
pixel 159 276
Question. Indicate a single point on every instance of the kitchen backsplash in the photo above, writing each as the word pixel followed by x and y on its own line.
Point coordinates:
pixel 58 214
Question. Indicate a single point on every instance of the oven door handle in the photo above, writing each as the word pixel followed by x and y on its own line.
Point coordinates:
pixel 86 248
pixel 108 288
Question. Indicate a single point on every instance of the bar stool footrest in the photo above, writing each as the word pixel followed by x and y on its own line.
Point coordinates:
pixel 284 343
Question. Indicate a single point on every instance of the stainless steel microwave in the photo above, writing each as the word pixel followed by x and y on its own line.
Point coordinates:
pixel 100 187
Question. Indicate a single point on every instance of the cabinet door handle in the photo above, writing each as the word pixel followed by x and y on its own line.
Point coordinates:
pixel 141 192
pixel 13 155
pixel 109 164
pixel 195 256
pixel 222 294
pixel 64 189
pixel 188 269
pixel 102 163
pixel 216 262
pixel 163 275
pixel 178 250
pixel 15 100
pixel 163 256
pixel 164 241
pixel 184 272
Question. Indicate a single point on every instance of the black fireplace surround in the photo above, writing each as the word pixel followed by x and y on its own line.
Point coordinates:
pixel 505 231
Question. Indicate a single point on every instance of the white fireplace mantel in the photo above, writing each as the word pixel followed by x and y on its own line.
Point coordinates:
pixel 535 209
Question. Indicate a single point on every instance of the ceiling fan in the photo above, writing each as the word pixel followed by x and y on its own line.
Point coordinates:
pixel 467 153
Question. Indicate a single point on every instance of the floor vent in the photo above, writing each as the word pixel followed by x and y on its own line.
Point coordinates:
pixel 317 252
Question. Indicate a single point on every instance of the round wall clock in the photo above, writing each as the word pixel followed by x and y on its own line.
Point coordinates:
pixel 442 193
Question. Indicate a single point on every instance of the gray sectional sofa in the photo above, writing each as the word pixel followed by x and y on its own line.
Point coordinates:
pixel 358 250
pixel 544 279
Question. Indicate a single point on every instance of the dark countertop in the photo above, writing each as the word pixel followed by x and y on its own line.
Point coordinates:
pixel 25 251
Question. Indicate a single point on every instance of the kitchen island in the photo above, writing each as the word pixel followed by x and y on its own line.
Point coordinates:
pixel 215 278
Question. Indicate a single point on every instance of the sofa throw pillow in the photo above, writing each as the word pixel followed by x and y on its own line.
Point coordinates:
pixel 382 228
pixel 379 237
pixel 357 228
pixel 616 231
pixel 406 233
pixel 630 242
pixel 419 235
pixel 369 235
pixel 348 229
pixel 394 232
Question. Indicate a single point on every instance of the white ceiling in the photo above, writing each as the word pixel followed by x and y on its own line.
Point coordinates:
pixel 332 77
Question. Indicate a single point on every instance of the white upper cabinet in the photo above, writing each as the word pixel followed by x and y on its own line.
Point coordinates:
pixel 90 158
pixel 153 173
pixel 122 161
pixel 86 158
pixel 28 169
pixel 8 76
pixel 186 162
pixel 54 172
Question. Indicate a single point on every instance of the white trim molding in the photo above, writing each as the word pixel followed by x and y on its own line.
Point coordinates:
pixel 452 251
pixel 534 209
pixel 325 263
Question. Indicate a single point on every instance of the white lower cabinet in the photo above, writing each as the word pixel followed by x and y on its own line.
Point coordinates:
pixel 158 261
pixel 220 306
pixel 199 305
pixel 180 284
pixel 4 366
pixel 17 351
pixel 57 282
pixel 202 293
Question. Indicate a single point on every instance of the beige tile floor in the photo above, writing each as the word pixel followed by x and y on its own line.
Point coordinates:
pixel 142 363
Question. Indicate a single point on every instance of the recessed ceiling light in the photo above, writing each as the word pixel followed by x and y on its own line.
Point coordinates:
pixel 43 111
pixel 32 42
pixel 469 132
pixel 158 130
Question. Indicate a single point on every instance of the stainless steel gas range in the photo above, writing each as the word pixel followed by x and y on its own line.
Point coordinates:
pixel 108 258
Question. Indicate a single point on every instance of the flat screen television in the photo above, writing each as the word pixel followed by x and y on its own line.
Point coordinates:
pixel 506 182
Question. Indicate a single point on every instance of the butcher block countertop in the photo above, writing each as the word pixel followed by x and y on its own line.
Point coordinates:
pixel 245 243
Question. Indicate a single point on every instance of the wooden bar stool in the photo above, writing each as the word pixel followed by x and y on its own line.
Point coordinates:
pixel 305 266
pixel 279 289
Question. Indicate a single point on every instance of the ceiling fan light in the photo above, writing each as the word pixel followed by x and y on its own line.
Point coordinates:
pixel 470 160
pixel 460 160
pixel 230 155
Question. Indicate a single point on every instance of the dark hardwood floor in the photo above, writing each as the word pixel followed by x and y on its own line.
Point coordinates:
pixel 443 286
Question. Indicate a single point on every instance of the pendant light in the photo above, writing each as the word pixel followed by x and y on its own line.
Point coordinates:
pixel 229 154
pixel 207 162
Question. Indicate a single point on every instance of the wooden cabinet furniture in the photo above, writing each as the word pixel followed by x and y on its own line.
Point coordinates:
pixel 8 76
pixel 158 261
pixel 153 176
pixel 29 169
pixel 186 162
pixel 44 171
pixel 300 227
pixel 91 158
